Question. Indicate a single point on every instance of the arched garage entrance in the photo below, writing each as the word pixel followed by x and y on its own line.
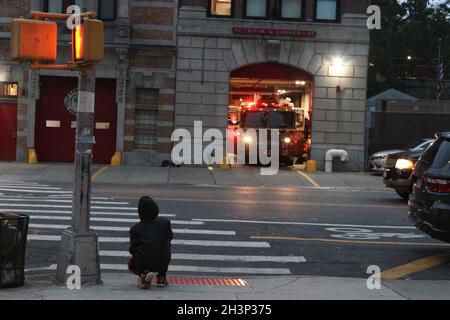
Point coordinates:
pixel 274 87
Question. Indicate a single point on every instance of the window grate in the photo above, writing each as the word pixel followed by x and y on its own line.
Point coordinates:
pixel 146 119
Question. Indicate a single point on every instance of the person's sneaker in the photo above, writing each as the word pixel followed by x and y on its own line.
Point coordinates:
pixel 161 282
pixel 145 280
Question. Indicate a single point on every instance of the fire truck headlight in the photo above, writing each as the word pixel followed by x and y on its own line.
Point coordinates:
pixel 248 139
pixel 287 140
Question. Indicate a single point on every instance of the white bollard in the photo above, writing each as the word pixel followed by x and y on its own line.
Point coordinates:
pixel 329 158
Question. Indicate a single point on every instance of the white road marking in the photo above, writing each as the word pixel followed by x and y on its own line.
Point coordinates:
pixel 367 234
pixel 305 224
pixel 40 237
pixel 178 268
pixel 126 229
pixel 50 267
pixel 100 213
pixel 19 182
pixel 43 187
pixel 214 257
pixel 216 243
pixel 204 243
pixel 56 196
pixel 62 207
pixel 56 201
pixel 33 191
pixel 184 222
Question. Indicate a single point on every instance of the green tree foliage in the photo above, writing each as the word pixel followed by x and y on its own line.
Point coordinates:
pixel 409 28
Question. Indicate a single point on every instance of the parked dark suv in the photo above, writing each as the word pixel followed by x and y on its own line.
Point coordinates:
pixel 429 203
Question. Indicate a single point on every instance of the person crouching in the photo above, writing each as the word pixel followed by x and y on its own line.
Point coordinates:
pixel 150 245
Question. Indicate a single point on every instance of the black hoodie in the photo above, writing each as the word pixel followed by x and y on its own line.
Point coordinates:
pixel 150 238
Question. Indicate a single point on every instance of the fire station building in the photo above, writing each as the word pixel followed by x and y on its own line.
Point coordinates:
pixel 314 52
pixel 169 63
pixel 134 89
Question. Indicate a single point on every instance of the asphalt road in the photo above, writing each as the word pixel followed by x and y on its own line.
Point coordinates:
pixel 240 231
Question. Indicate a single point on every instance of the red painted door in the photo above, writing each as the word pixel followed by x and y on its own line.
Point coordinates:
pixel 8 131
pixel 55 124
pixel 105 121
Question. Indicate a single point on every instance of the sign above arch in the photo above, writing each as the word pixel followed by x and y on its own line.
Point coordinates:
pixel 275 32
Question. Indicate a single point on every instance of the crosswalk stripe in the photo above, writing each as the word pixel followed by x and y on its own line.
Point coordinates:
pixel 126 229
pixel 61 206
pixel 34 191
pixel 56 201
pixel 30 187
pixel 184 222
pixel 69 196
pixel 205 243
pixel 177 268
pixel 106 213
pixel 20 183
pixel 214 257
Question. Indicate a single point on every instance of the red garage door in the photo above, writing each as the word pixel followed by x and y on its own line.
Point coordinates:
pixel 8 131
pixel 55 123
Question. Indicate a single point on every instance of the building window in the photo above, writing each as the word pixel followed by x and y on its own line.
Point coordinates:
pixel 220 8
pixel 327 10
pixel 292 9
pixel 60 6
pixel 107 10
pixel 8 90
pixel 146 118
pixel 256 8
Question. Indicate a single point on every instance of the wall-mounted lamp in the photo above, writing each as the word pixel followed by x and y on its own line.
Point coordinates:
pixel 337 64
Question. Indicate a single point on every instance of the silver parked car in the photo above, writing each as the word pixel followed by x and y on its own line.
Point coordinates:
pixel 377 161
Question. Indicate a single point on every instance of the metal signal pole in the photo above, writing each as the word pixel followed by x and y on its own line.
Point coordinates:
pixel 79 246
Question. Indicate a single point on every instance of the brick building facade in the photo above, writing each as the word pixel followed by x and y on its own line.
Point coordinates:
pixel 170 64
pixel 140 43
pixel 217 39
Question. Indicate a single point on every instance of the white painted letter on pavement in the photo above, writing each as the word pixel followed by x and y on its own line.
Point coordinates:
pixel 74 280
pixel 374 280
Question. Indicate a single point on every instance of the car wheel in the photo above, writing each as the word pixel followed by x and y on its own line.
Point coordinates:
pixel 404 195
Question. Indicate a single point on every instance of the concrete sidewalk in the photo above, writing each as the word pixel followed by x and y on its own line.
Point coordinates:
pixel 122 286
pixel 238 176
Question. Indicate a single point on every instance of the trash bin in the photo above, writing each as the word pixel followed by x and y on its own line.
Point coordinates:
pixel 13 240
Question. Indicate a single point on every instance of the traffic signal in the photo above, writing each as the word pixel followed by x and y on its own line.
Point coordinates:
pixel 33 40
pixel 87 42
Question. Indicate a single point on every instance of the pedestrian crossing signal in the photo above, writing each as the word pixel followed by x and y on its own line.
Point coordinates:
pixel 88 42
pixel 33 40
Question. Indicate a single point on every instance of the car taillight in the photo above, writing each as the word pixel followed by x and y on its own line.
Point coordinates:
pixel 437 185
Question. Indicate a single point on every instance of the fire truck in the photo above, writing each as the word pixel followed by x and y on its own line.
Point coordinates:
pixel 273 114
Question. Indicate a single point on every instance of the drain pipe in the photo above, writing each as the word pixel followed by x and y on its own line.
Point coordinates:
pixel 329 158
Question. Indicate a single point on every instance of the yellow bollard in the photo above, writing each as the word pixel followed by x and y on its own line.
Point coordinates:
pixel 32 156
pixel 116 160
pixel 224 165
pixel 311 166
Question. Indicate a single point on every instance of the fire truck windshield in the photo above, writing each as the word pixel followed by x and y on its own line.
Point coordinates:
pixel 281 120
pixel 269 119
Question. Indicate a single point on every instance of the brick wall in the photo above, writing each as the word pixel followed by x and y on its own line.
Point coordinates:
pixel 151 15
pixel 355 6
pixel 15 8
